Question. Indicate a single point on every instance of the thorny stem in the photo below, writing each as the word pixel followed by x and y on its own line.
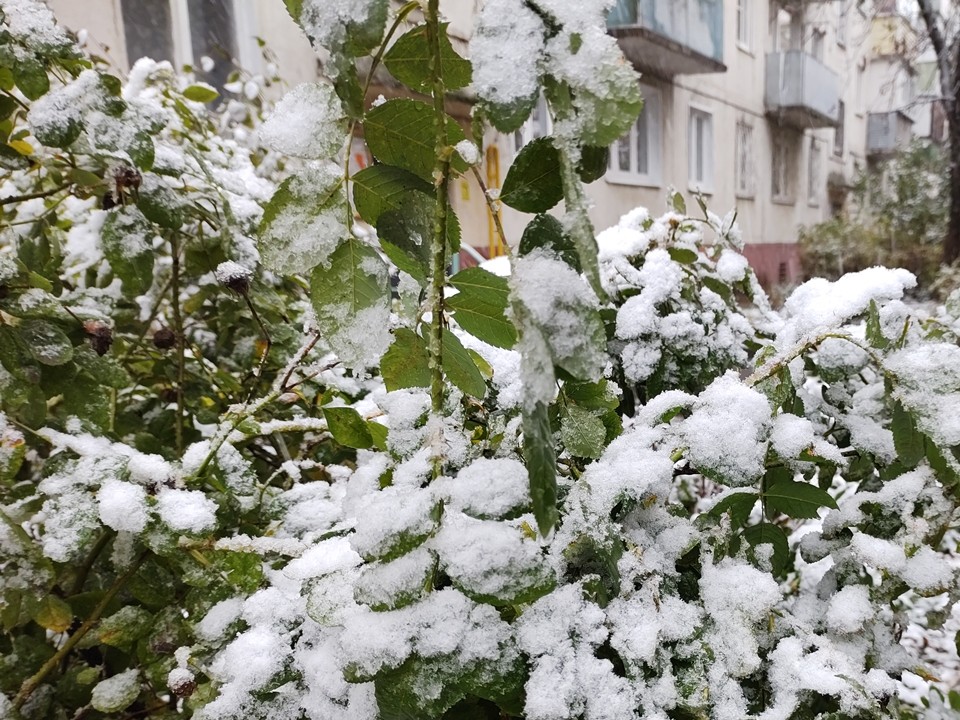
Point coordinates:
pixel 33 682
pixel 438 260
pixel 178 329
pixel 266 337
pixel 773 366
pixel 401 16
pixel 10 199
pixel 91 558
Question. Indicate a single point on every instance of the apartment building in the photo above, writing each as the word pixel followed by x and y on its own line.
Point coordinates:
pixel 769 107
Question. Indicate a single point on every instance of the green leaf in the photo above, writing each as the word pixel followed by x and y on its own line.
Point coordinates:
pixel 582 432
pixel 303 221
pixel 770 534
pixel 874 332
pixel 404 235
pixel 541 463
pixel 13 448
pixel 52 613
pixel 533 183
pixel 355 282
pixel 141 150
pixel 678 203
pixel 159 204
pixel 460 368
pixel 409 61
pixel 593 163
pixel 200 93
pixel 405 364
pixel 127 239
pixel 593 396
pixel 480 306
pixel 684 256
pixel 347 427
pixel 400 132
pixel 47 343
pixel 116 693
pixel 378 433
pixel 379 188
pixel 907 440
pixel 31 78
pixel 796 499
pixel 738 504
pixel 125 626
pixel 545 231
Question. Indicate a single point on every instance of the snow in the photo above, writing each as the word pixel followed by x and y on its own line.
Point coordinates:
pixel 487 488
pixel 187 510
pixel 229 273
pixel 505 50
pixel 307 123
pixel 123 506
pixel 469 152
pixel 849 609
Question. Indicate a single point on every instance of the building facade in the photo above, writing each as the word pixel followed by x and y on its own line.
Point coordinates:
pixel 768 107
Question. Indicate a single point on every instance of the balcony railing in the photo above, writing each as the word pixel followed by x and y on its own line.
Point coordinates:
pixel 670 37
pixel 801 91
pixel 888 132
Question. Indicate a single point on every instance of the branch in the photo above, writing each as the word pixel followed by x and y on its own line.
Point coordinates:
pixel 942 52
pixel 10 199
pixel 33 682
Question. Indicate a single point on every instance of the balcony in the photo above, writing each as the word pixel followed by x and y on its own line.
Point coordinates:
pixel 670 37
pixel 888 132
pixel 800 91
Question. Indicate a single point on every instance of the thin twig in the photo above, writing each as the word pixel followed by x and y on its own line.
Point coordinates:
pixel 34 681
pixel 32 196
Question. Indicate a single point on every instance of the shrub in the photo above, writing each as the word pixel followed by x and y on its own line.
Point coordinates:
pixel 239 480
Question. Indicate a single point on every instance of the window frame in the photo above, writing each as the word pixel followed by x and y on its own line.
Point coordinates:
pixel 838 132
pixel 814 170
pixel 652 119
pixel 743 25
pixel 744 161
pixel 704 184
pixel 780 150
pixel 244 21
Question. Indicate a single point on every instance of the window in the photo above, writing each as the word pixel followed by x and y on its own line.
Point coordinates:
pixel 841 22
pixel 700 151
pixel 537 125
pixel 186 32
pixel 816 44
pixel 838 132
pixel 782 168
pixel 744 164
pixel 636 157
pixel 813 173
pixel 743 23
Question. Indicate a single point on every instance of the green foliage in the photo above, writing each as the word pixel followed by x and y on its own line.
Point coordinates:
pixel 261 484
pixel 896 220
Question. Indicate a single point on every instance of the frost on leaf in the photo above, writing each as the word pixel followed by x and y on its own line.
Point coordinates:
pixel 305 220
pixel 307 123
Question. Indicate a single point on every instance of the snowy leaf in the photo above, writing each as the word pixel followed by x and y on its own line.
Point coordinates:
pixel 533 183
pixel 739 504
pixel 908 441
pixel 582 432
pixel 52 613
pixel 116 693
pixel 47 343
pixel 305 221
pixel 352 303
pixel 127 238
pixel 409 58
pixel 545 231
pixel 307 123
pixel 773 535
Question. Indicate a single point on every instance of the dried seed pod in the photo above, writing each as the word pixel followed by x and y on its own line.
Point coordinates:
pixel 234 276
pixel 100 335
pixel 164 338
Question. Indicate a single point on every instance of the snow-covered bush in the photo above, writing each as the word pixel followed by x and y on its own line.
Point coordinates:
pixel 240 480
